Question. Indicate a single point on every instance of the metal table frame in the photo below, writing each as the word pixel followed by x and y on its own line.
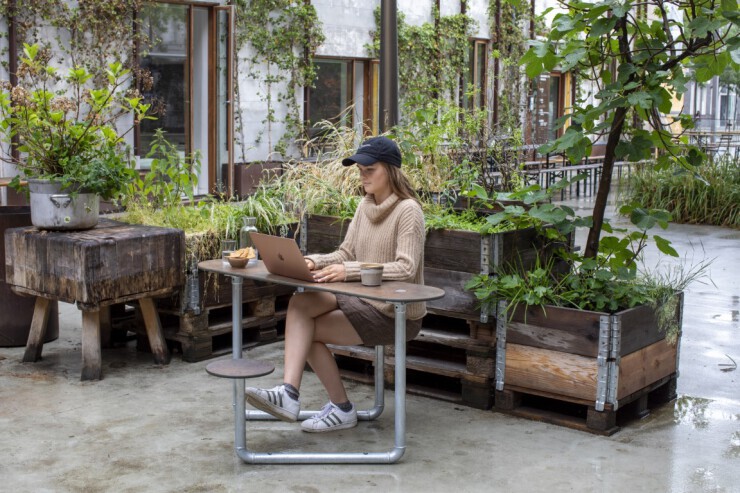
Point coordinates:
pixel 400 295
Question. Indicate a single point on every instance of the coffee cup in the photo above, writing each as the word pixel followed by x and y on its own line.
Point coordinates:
pixel 371 274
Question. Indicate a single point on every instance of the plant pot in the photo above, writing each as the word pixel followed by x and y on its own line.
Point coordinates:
pixel 56 209
pixel 597 359
pixel 14 329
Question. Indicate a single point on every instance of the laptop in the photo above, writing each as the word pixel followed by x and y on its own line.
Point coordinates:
pixel 282 256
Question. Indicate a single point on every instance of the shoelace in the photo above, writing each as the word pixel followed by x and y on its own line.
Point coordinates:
pixel 325 411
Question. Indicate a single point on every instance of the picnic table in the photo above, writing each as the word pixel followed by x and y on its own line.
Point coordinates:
pixel 238 368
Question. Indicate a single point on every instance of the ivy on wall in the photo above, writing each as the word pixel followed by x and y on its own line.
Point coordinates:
pixel 509 45
pixel 431 56
pixel 282 36
pixel 88 32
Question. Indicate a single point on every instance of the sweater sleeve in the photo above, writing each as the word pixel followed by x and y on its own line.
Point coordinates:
pixel 346 251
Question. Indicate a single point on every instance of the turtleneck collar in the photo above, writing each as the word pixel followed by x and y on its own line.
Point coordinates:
pixel 377 212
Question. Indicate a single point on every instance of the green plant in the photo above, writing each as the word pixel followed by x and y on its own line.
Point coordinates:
pixel 88 33
pixel 283 35
pixel 637 63
pixel 714 198
pixel 431 56
pixel 169 178
pixel 69 134
pixel 610 282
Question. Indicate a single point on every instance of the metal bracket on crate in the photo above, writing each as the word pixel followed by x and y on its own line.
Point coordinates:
pixel 500 345
pixel 303 235
pixel 191 299
pixel 614 359
pixel 602 361
pixel 485 254
pixel 490 248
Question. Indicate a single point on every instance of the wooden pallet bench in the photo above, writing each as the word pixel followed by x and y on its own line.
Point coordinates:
pixel 444 362
pixel 208 334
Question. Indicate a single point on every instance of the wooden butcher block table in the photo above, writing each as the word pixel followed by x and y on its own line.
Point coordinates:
pixel 111 263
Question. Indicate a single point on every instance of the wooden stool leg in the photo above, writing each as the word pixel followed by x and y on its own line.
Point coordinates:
pixel 106 326
pixel 91 356
pixel 35 342
pixel 154 331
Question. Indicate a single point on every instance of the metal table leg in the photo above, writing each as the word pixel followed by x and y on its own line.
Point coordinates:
pixel 389 457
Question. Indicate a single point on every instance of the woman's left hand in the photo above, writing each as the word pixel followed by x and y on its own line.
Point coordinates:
pixel 331 273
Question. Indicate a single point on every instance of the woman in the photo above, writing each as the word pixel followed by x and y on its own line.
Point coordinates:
pixel 388 228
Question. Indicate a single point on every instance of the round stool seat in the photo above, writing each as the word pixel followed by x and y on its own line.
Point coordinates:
pixel 239 368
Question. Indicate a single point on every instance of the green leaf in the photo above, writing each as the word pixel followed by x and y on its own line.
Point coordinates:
pixel 641 218
pixel 665 246
pixel 601 26
pixel 641 99
pixel 619 8
pixel 700 26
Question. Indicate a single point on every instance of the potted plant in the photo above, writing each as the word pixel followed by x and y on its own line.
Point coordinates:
pixel 63 128
pixel 594 331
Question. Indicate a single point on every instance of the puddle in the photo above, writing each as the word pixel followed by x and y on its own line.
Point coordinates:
pixel 733 316
pixel 699 412
pixel 692 411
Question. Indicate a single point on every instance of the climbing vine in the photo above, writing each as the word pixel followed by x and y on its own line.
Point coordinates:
pixel 281 37
pixel 89 33
pixel 509 45
pixel 431 56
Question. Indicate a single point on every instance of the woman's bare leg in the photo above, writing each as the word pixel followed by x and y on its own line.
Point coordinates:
pixel 310 315
pixel 331 328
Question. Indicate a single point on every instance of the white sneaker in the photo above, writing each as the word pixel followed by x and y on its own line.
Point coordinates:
pixel 330 418
pixel 275 401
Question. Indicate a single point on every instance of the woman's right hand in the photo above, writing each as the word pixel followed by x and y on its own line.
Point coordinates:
pixel 310 264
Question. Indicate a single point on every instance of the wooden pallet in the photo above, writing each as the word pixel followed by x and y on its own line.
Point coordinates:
pixel 444 362
pixel 209 334
pixel 580 414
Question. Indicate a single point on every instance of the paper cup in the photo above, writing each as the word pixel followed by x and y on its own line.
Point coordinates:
pixel 371 274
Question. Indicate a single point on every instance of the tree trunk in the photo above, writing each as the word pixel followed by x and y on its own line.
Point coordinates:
pixel 605 183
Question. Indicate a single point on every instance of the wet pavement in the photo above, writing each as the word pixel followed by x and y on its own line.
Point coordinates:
pixel 170 428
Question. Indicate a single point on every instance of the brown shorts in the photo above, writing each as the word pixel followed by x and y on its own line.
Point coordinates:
pixel 373 326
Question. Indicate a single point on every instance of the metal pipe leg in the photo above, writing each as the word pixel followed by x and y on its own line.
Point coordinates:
pixel 240 432
pixel 400 393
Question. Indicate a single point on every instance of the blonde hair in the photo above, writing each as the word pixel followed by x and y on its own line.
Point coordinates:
pixel 398 182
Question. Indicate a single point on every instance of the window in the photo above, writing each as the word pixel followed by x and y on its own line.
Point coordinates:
pixel 548 107
pixel 474 81
pixel 190 62
pixel 726 107
pixel 345 92
pixel 331 95
pixel 167 62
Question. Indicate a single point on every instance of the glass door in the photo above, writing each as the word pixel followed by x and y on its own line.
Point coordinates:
pixel 168 63
pixel 224 84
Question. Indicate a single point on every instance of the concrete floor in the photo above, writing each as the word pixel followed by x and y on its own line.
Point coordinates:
pixel 149 428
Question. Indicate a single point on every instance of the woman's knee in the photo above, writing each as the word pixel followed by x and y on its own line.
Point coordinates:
pixel 312 303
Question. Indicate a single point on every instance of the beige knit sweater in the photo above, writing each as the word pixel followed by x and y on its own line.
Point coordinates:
pixel 391 234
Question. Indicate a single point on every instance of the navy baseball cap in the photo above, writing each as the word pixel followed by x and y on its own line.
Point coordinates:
pixel 373 150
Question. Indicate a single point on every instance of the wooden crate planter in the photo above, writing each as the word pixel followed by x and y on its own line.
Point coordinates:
pixel 451 259
pixel 594 359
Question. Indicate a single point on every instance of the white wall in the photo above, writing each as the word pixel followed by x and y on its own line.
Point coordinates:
pixel 478 10
pixel 347 25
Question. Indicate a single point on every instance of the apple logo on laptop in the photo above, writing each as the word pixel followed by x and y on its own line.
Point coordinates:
pixel 280 256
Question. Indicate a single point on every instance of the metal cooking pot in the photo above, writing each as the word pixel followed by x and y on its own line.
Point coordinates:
pixel 52 208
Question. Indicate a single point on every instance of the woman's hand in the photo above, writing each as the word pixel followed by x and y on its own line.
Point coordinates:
pixel 310 264
pixel 331 273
